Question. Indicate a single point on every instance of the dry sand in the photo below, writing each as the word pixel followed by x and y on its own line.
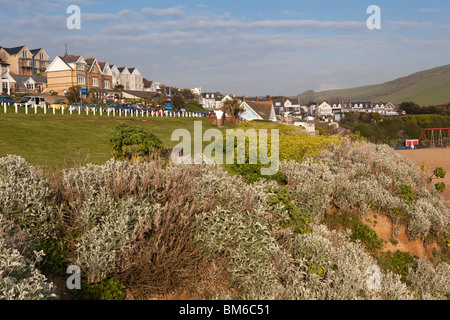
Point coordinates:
pixel 432 158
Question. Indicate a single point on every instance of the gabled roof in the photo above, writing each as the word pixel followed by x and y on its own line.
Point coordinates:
pixel 13 51
pixel 263 109
pixel 21 79
pixel 147 83
pixel 90 62
pixel 102 65
pixel 123 69
pixel 70 59
pixel 35 51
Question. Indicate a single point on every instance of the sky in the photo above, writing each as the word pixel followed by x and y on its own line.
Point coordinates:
pixel 245 47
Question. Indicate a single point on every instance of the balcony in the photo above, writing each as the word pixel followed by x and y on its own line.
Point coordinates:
pixel 25 63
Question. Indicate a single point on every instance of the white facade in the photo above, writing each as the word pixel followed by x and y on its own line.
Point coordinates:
pixel 7 80
pixel 115 75
pixel 136 79
pixel 324 110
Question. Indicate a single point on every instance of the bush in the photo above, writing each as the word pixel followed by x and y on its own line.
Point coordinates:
pixel 398 262
pixel 110 289
pixel 407 193
pixel 359 231
pixel 133 143
pixel 440 187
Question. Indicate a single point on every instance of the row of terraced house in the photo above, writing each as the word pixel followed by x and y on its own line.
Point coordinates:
pixel 31 72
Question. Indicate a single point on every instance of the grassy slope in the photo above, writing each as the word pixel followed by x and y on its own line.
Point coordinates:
pixel 429 87
pixel 64 140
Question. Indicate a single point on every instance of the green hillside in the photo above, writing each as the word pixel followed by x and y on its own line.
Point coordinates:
pixel 429 87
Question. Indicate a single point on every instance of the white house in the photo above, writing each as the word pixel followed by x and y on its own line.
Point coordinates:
pixel 258 111
pixel 136 79
pixel 115 75
pixel 324 109
pixel 7 80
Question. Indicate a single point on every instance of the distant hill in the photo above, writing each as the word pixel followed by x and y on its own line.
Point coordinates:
pixel 429 87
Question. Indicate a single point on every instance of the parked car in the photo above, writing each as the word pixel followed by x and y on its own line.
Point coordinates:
pixel 95 107
pixel 8 100
pixel 76 106
pixel 31 101
pixel 112 107
pixel 59 105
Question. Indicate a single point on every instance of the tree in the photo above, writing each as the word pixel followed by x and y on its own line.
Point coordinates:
pixel 376 116
pixel 187 94
pixel 73 94
pixel 94 94
pixel 119 87
pixel 178 102
pixel 232 107
pixel 351 117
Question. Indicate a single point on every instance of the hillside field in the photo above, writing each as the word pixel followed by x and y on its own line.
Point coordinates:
pixel 429 87
pixel 65 140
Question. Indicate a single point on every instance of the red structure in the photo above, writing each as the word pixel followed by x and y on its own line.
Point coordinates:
pixel 435 137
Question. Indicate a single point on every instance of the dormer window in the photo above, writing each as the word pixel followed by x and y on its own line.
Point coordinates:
pixel 24 54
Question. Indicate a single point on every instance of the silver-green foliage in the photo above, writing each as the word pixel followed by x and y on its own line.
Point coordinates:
pixel 106 225
pixel 361 177
pixel 19 278
pixel 24 196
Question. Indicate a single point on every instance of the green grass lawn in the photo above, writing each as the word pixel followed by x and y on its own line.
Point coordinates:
pixel 62 141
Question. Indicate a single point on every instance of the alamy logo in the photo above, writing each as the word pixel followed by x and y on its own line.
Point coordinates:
pixel 373 282
pixel 374 21
pixel 242 147
pixel 74 281
pixel 74 21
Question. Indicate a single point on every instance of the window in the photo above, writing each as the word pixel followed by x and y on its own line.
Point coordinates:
pixel 25 54
pixel 81 80
pixel 80 66
pixel 106 84
pixel 30 86
pixel 95 82
pixel 41 56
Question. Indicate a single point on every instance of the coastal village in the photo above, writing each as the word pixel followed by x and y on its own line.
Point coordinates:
pixel 28 71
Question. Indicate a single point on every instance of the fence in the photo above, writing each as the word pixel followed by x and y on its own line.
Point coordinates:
pixel 28 108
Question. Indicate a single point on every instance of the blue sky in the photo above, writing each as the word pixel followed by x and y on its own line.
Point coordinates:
pixel 244 47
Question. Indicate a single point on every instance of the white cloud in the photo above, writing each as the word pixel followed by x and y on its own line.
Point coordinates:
pixel 174 12
pixel 431 10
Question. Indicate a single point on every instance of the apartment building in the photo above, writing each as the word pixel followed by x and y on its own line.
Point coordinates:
pixel 67 71
pixel 23 61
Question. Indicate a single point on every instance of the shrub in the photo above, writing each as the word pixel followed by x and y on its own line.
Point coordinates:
pixel 25 199
pixel 430 282
pixel 19 278
pixel 108 289
pixel 398 262
pixel 440 187
pixel 407 193
pixel 359 231
pixel 133 143
pixel 439 173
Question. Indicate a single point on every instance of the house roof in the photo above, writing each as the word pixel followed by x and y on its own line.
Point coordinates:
pixel 102 65
pixel 263 109
pixel 13 51
pixel 70 59
pixel 147 83
pixel 21 79
pixel 35 51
